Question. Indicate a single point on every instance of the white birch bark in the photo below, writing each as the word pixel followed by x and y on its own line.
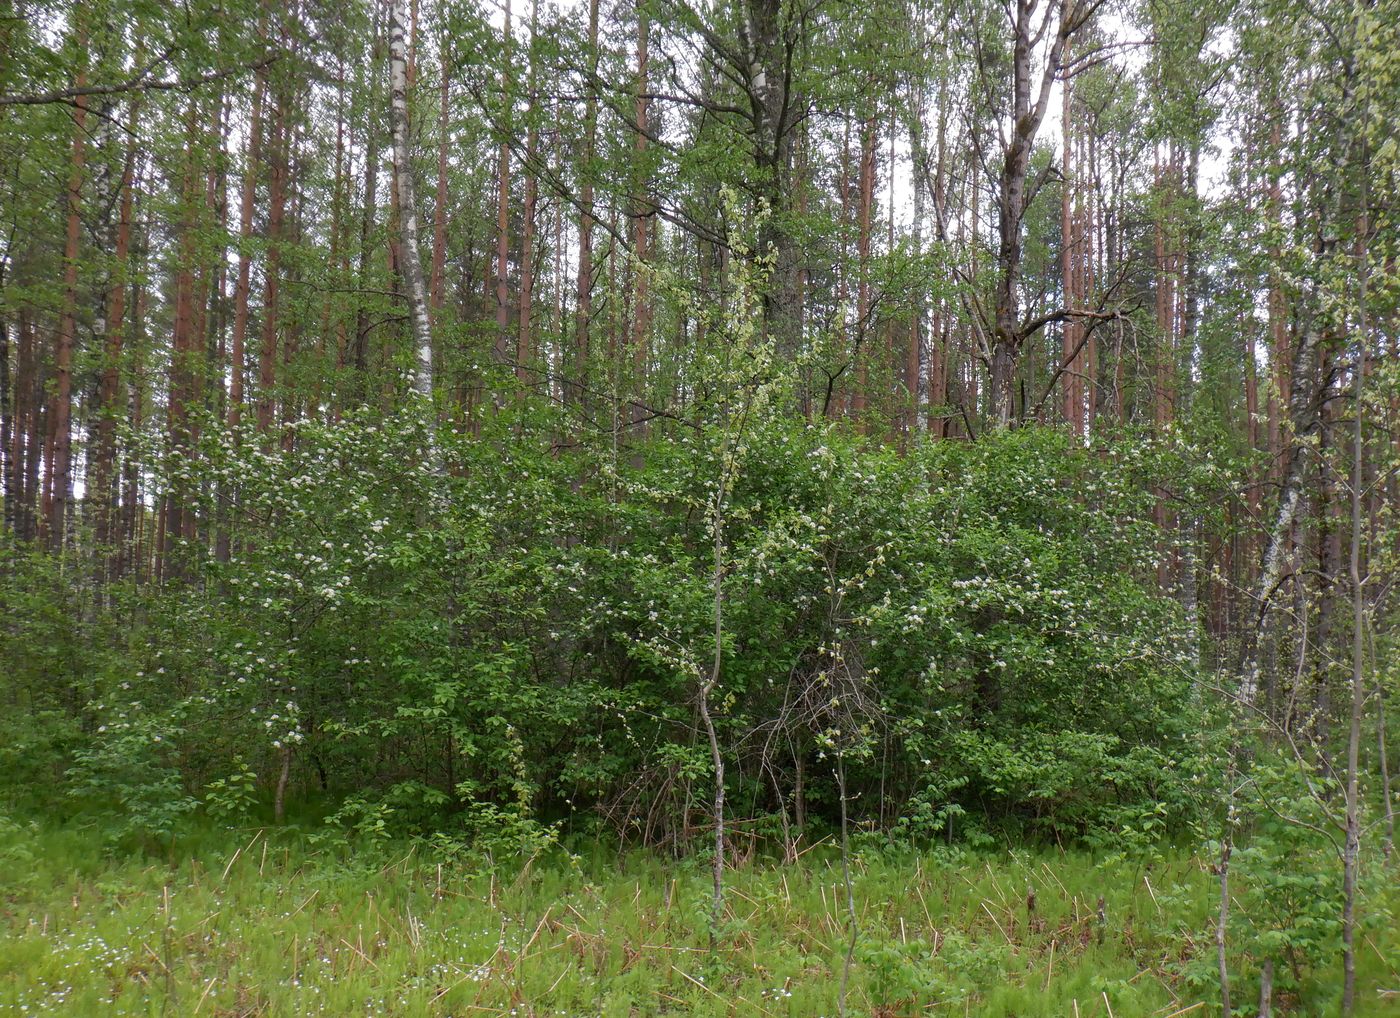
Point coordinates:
pixel 1303 416
pixel 411 263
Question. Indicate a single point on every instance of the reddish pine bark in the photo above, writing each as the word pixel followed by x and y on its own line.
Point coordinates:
pixel 267 347
pixel 60 477
pixel 104 456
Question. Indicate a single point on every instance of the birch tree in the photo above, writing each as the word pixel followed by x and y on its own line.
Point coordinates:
pixel 412 263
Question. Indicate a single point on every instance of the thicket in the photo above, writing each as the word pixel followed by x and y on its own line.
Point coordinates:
pixel 500 635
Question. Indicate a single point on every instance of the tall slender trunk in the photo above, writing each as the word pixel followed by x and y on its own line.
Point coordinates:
pixel 267 348
pixel 502 277
pixel 938 345
pixel 1163 390
pixel 801 183
pixel 104 461
pixel 1326 575
pixel 890 350
pixel 843 262
pixel 861 351
pixel 438 283
pixel 1351 852
pixel 16 412
pixel 1303 417
pixel 706 689
pixel 32 436
pixel 371 207
pixel 1278 318
pixel 1387 796
pixel 768 53
pixel 61 475
pixel 1068 331
pixel 181 373
pixel 7 423
pixel 332 305
pixel 524 342
pixel 584 307
pixel 852 926
pixel 206 368
pixel 558 359
pixel 411 264
pixel 641 303
pixel 915 340
pixel 242 287
pixel 1092 251
pixel 131 558
pixel 292 395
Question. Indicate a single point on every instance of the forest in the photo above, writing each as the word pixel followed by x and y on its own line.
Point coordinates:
pixel 699 507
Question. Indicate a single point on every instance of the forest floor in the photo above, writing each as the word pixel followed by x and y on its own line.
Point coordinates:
pixel 259 923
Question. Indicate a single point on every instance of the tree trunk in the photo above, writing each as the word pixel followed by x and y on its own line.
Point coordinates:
pixel 267 349
pixel 1278 320
pixel 502 277
pixel 439 271
pixel 104 461
pixel 292 394
pixel 524 342
pixel 1328 524
pixel 370 211
pixel 332 304
pixel 279 795
pixel 768 52
pixel 9 405
pixel 584 309
pixel 641 306
pixel 31 437
pixel 915 343
pixel 411 265
pixel 61 475
pixel 132 517
pixel 1030 22
pixel 861 351
pixel 711 734
pixel 180 378
pixel 1351 853
pixel 1068 331
pixel 1303 415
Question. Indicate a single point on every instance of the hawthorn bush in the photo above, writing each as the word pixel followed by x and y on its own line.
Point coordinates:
pixel 439 632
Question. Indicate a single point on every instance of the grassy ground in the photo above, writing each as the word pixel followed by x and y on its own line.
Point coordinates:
pixel 262 925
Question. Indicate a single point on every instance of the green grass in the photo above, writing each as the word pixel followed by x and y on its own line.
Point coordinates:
pixel 257 923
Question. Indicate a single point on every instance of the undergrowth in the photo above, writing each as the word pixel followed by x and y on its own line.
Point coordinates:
pixel 260 922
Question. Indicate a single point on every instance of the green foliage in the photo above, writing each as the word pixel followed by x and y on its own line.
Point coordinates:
pixel 515 639
pixel 900 974
pixel 53 659
pixel 232 798
pixel 1285 891
pixel 404 931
